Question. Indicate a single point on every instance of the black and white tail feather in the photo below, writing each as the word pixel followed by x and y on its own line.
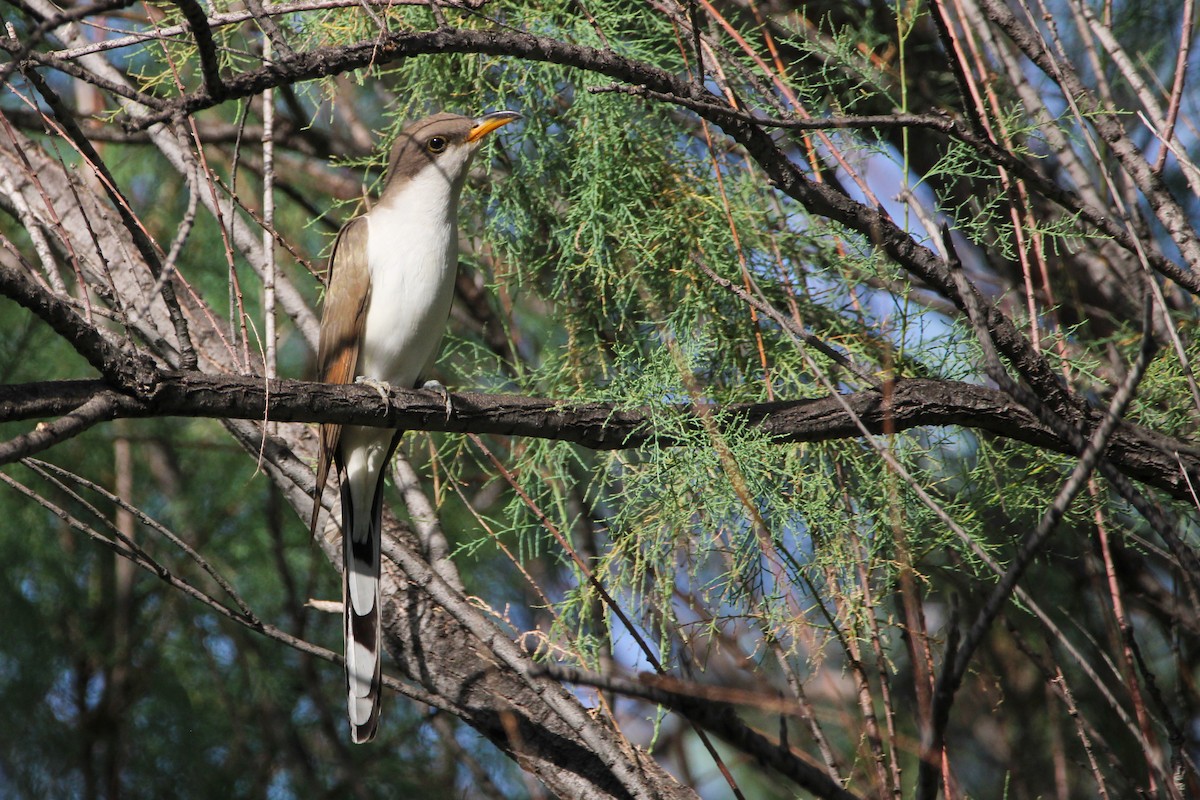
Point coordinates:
pixel 362 620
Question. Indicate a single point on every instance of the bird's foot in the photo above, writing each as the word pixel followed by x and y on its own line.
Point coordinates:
pixel 434 386
pixel 383 387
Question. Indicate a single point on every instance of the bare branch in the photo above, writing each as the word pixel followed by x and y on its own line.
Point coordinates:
pixel 709 708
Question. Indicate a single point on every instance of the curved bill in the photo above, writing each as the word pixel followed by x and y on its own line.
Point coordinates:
pixel 489 122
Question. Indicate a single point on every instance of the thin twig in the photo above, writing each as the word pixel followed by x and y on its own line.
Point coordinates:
pixel 797 329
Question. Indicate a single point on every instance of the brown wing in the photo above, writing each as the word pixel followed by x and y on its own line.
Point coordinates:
pixel 341 331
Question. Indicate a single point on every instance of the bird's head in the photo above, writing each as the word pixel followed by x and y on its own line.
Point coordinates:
pixel 446 141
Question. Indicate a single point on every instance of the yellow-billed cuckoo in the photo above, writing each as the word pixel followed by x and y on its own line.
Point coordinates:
pixel 391 280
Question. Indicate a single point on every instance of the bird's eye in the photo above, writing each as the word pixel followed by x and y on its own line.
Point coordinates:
pixel 437 144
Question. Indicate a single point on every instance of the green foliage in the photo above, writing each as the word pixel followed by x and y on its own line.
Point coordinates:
pixel 589 222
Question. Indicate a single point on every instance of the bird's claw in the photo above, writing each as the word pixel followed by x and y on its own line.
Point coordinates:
pixel 383 387
pixel 434 386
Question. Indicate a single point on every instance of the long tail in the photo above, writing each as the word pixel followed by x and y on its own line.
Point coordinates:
pixel 360 600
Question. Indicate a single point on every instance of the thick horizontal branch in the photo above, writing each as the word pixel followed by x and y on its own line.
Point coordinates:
pixel 1144 455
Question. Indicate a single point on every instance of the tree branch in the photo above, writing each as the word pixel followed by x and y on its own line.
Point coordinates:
pixel 1139 453
pixel 712 713
pixel 198 24
pixel 137 233
pixel 115 363
pixel 98 408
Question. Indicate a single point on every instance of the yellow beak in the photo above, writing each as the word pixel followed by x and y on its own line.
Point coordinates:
pixel 489 122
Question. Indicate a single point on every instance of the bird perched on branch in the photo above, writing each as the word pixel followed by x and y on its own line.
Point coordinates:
pixel 391 280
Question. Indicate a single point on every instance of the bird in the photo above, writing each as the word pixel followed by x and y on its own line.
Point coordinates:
pixel 390 284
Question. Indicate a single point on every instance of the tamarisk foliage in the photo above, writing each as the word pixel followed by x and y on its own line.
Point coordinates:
pixel 823 406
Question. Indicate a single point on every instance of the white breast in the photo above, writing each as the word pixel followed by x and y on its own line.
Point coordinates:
pixel 412 249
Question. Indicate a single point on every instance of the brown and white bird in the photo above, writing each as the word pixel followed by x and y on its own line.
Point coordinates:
pixel 391 280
